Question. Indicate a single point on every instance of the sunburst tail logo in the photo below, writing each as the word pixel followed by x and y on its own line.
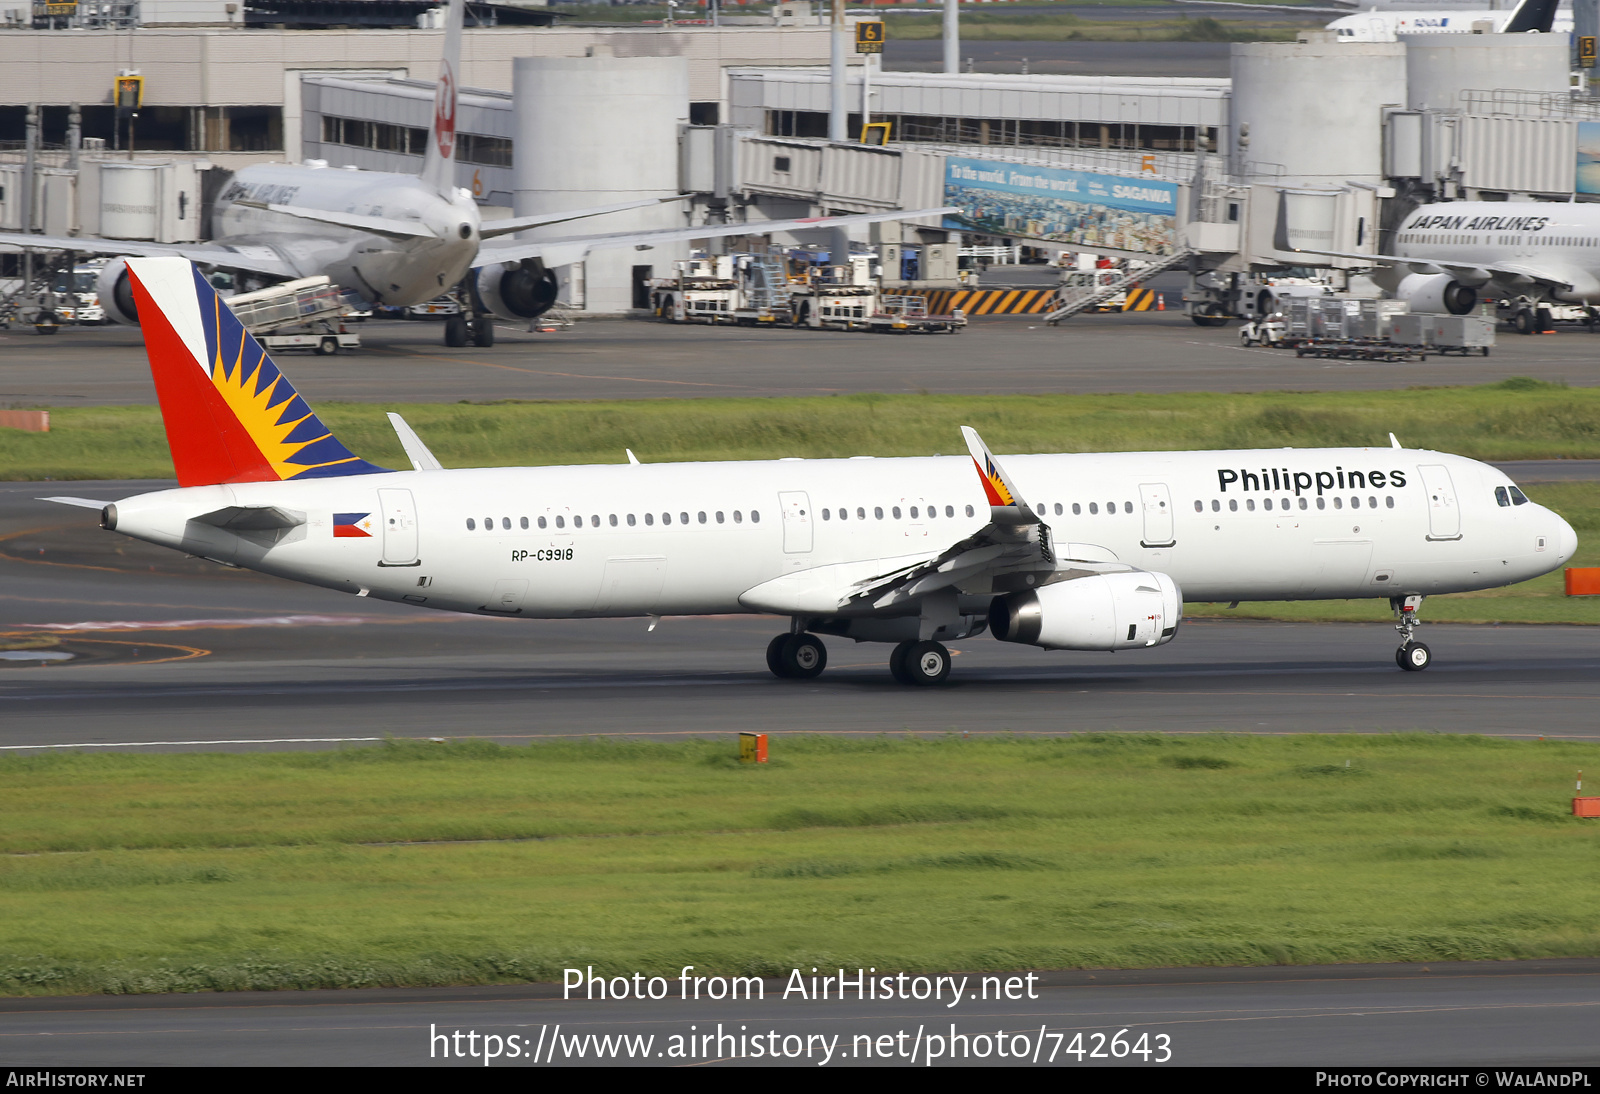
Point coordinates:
pixel 231 416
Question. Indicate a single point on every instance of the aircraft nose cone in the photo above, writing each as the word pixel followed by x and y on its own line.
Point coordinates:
pixel 1566 540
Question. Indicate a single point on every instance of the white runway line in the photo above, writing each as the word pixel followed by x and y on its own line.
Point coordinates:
pixel 164 744
pixel 187 624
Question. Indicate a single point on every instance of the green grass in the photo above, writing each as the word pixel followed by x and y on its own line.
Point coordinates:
pixel 418 863
pixel 1514 419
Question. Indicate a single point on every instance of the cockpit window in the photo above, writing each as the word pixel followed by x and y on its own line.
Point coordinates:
pixel 1518 497
pixel 1501 497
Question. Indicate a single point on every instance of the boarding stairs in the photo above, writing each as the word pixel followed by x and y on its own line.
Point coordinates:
pixel 769 284
pixel 293 304
pixel 1071 302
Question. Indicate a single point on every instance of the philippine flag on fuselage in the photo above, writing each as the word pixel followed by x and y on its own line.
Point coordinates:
pixel 353 525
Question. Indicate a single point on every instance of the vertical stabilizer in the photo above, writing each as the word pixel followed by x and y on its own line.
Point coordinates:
pixel 231 416
pixel 1537 16
pixel 439 161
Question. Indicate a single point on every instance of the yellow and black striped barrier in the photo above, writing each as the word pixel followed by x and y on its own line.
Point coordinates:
pixel 1140 300
pixel 989 301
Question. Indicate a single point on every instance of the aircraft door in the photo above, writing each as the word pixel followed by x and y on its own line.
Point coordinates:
pixel 399 528
pixel 1444 516
pixel 1157 502
pixel 796 506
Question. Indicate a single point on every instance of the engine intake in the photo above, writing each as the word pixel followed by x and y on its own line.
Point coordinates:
pixel 116 293
pixel 524 291
pixel 1437 294
pixel 1100 612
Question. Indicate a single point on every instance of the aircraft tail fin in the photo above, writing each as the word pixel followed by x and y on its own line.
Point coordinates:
pixel 231 416
pixel 1532 15
pixel 439 160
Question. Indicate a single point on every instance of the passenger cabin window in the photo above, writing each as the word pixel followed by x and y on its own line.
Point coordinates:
pixel 969 510
pixel 1094 508
pixel 1233 505
pixel 631 521
pixel 1216 506
pixel 755 517
pixel 524 524
pixel 1127 507
pixel 1076 511
pixel 896 511
pixel 719 517
pixel 877 511
pixel 950 511
pixel 650 520
pixel 738 517
pixel 541 522
pixel 472 525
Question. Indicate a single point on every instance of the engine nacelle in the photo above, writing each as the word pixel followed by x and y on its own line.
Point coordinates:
pixel 523 291
pixel 1102 612
pixel 1437 294
pixel 115 288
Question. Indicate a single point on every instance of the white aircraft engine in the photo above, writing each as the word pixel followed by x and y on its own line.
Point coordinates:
pixel 525 290
pixel 1100 612
pixel 116 293
pixel 1437 294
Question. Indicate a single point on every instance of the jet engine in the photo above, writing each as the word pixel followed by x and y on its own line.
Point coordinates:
pixel 116 293
pixel 525 290
pixel 1099 612
pixel 1437 293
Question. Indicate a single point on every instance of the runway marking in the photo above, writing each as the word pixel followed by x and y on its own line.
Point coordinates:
pixel 188 653
pixel 165 744
pixel 563 375
pixel 215 624
pixel 50 562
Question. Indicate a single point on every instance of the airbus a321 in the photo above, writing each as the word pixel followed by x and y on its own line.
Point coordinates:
pixel 1068 552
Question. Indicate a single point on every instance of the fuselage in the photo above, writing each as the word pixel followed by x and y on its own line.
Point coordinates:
pixel 1386 26
pixel 619 540
pixel 385 269
pixel 1554 238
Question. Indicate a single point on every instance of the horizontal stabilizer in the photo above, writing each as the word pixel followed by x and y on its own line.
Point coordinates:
pixel 496 228
pixel 386 226
pixel 82 503
pixel 252 518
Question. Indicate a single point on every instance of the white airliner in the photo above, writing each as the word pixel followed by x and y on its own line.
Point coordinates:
pixel 399 239
pixel 1445 254
pixel 1536 16
pixel 1075 552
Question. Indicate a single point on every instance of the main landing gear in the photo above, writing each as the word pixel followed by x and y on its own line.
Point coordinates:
pixel 803 657
pixel 797 656
pixel 1412 655
pixel 922 663
pixel 459 330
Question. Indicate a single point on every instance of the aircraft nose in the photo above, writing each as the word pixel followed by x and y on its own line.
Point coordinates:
pixel 1566 540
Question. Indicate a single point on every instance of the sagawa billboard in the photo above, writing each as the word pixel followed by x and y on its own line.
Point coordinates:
pixel 1059 206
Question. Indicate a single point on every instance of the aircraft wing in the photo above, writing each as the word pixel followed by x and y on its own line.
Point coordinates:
pixel 256 259
pixel 385 226
pixel 560 252
pixel 1014 541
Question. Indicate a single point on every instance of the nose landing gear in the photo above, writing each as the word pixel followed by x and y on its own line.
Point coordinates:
pixel 1412 655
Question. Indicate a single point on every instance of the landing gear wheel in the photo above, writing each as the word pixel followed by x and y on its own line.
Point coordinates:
pixel 927 663
pixel 897 663
pixel 1544 320
pixel 455 332
pixel 775 656
pixel 1523 321
pixel 803 657
pixel 1414 657
pixel 483 331
pixel 327 347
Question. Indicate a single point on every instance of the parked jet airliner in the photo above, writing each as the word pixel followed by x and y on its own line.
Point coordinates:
pixel 1077 552
pixel 1524 252
pixel 400 239
pixel 1529 16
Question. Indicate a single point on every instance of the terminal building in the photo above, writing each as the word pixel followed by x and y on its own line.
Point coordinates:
pixel 732 122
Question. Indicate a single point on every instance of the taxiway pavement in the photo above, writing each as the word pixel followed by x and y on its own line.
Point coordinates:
pixel 1466 1015
pixel 638 359
pixel 125 643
